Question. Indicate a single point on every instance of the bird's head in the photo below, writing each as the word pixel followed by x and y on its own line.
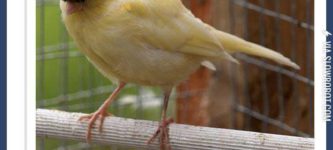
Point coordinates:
pixel 73 6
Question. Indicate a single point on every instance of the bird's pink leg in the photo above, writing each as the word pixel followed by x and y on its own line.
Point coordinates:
pixel 101 112
pixel 162 129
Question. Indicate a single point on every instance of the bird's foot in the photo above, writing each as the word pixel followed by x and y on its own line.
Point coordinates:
pixel 163 131
pixel 101 114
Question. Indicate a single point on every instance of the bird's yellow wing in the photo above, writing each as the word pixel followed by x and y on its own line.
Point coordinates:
pixel 168 25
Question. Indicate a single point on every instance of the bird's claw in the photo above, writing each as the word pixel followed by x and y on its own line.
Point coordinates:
pixel 163 131
pixel 92 119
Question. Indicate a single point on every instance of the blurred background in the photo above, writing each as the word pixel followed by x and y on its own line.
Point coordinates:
pixel 257 95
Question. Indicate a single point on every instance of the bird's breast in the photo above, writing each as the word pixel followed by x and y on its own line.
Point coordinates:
pixel 117 55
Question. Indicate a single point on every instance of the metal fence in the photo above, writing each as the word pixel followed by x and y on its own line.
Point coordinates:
pixel 301 82
pixel 67 81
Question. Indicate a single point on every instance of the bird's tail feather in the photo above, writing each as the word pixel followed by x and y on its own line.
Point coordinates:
pixel 233 44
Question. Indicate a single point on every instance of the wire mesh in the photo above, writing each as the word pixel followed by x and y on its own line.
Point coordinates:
pixel 67 81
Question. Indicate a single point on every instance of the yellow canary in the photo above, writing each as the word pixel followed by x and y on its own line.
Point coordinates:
pixel 149 42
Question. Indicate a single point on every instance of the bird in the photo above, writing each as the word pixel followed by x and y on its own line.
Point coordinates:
pixel 150 43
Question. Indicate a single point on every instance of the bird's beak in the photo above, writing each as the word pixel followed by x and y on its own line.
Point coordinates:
pixel 73 7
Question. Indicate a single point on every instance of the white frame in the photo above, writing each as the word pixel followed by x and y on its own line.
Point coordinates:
pixel 21 69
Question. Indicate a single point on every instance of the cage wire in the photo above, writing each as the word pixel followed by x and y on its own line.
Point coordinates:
pixel 67 81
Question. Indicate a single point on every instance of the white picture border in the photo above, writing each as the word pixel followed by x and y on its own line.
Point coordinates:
pixel 21 74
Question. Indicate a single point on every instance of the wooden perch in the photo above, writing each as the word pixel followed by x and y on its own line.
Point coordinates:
pixel 134 133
